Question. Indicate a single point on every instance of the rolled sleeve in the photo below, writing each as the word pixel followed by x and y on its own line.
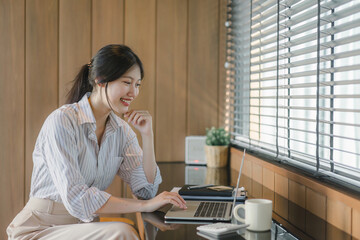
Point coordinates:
pixel 140 185
pixel 132 172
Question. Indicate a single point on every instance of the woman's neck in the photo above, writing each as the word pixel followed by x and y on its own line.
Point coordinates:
pixel 100 111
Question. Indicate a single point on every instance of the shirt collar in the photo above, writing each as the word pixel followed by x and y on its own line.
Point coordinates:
pixel 86 114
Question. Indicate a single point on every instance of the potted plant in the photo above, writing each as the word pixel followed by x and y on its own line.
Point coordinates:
pixel 216 147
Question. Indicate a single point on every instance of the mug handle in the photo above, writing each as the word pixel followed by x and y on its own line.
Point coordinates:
pixel 236 215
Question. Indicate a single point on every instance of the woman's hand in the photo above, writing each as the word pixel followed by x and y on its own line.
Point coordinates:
pixel 162 199
pixel 141 120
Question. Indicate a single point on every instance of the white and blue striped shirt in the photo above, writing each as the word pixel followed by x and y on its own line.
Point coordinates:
pixel 71 168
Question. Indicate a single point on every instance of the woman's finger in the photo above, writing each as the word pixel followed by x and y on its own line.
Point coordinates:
pixel 175 202
pixel 176 199
pixel 138 118
pixel 178 196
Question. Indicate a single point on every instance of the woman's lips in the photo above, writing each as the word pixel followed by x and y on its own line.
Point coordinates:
pixel 125 102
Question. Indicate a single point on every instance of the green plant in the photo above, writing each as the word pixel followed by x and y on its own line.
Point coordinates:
pixel 217 137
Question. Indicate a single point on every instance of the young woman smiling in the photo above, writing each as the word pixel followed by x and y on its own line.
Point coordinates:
pixel 82 146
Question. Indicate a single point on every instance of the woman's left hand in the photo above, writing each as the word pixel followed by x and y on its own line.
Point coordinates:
pixel 141 120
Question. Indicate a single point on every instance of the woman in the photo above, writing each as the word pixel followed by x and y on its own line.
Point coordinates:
pixel 82 146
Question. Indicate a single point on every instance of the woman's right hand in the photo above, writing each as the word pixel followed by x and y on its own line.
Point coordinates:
pixel 162 199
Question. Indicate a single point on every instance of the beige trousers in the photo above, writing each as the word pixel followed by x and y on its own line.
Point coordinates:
pixel 46 219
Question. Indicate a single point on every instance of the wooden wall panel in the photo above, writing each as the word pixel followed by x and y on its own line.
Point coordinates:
pixel 107 23
pixel 281 195
pixel 171 79
pixel 339 215
pixel 355 223
pixel 45 42
pixel 12 116
pixel 74 41
pixel 222 60
pixel 108 28
pixel 41 71
pixel 203 62
pixel 140 36
pixel 308 207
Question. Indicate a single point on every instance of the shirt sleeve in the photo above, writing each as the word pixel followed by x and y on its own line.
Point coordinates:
pixel 132 172
pixel 61 159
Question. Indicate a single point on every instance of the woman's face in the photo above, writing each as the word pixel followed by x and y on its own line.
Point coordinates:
pixel 124 90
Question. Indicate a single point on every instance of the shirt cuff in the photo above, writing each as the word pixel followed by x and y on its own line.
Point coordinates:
pixel 139 180
pixel 92 202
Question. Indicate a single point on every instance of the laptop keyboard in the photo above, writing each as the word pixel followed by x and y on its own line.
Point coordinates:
pixel 211 209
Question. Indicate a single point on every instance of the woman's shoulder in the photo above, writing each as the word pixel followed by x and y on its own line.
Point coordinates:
pixel 64 114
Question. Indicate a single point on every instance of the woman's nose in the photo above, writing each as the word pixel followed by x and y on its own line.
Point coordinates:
pixel 133 91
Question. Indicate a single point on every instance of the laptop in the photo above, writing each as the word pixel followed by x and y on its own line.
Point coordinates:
pixel 206 211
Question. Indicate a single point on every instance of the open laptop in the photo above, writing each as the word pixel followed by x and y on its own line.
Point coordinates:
pixel 213 211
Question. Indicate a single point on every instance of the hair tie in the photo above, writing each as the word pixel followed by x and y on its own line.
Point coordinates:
pixel 90 63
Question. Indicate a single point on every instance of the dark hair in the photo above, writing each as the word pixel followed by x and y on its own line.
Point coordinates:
pixel 109 64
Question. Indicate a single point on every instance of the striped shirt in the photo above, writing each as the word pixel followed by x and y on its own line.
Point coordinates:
pixel 71 168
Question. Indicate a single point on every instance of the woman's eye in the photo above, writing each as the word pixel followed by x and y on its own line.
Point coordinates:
pixel 138 84
pixel 128 83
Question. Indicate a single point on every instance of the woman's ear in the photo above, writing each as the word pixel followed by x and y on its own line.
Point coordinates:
pixel 99 84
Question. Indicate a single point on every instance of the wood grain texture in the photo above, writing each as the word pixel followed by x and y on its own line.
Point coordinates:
pixel 297 193
pixel 269 179
pixel 320 210
pixel 203 64
pixel 140 37
pixel 339 215
pixel 107 23
pixel 171 79
pixel 41 71
pixel 316 203
pixel 12 118
pixel 355 223
pixel 74 41
pixel 222 60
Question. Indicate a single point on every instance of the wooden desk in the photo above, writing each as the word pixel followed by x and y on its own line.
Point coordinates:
pixel 152 226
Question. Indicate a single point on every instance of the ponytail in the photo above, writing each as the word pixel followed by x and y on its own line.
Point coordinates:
pixel 80 86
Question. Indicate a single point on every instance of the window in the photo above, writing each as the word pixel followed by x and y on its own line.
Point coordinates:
pixel 293 83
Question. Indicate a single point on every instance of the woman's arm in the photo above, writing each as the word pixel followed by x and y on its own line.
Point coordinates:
pixel 142 121
pixel 127 205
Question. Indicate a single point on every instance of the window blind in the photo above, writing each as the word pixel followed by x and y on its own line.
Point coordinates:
pixel 293 83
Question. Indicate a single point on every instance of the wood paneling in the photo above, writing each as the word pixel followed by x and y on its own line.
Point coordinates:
pixel 320 211
pixel 339 215
pixel 316 203
pixel 281 195
pixel 140 36
pixel 257 173
pixel 12 69
pixel 269 179
pixel 171 79
pixel 74 41
pixel 355 223
pixel 203 62
pixel 282 185
pixel 41 71
pixel 45 42
pixel 297 204
pixel 107 23
pixel 222 60
pixel 297 193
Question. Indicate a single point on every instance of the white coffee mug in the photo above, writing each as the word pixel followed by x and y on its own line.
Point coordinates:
pixel 258 214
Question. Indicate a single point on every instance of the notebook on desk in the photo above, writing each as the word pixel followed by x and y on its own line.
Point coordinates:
pixel 212 193
pixel 206 210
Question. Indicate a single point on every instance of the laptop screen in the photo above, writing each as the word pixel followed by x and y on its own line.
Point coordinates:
pixel 238 182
